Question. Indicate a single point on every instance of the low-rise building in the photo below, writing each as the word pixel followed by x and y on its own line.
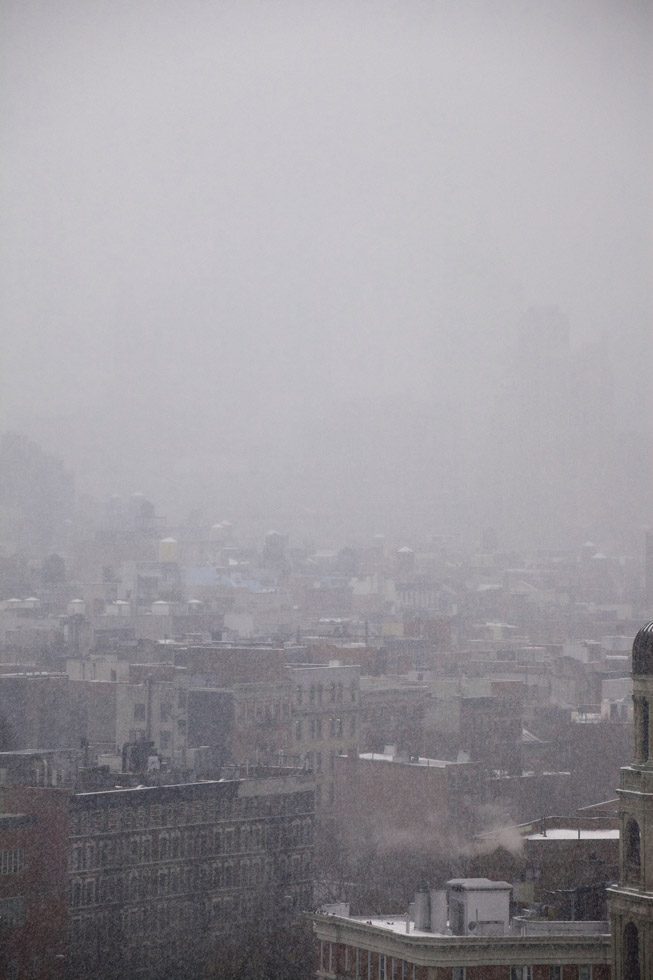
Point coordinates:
pixel 391 797
pixel 33 885
pixel 464 933
pixel 325 714
pixel 158 877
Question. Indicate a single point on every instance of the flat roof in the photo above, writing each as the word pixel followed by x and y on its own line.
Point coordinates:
pixel 477 884
pixel 421 761
pixel 572 833
pixel 394 923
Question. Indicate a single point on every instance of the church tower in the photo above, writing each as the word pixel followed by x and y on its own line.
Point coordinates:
pixel 631 900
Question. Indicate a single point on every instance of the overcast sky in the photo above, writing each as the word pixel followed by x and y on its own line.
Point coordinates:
pixel 224 220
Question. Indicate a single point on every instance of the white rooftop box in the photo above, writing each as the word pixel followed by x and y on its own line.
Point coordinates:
pixel 479 907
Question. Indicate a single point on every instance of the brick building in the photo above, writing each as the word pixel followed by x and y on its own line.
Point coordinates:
pixel 392 796
pixel 325 713
pixel 133 881
pixel 483 944
pixel 150 865
pixel 248 723
pixel 33 883
pixel 561 865
pixel 393 709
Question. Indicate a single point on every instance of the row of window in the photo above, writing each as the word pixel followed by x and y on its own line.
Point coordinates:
pixel 165 923
pixel 366 965
pixel 165 711
pixel 318 727
pixel 361 964
pixel 181 879
pixel 335 692
pixel 207 810
pixel 263 711
pixel 11 861
pixel 12 912
pixel 176 844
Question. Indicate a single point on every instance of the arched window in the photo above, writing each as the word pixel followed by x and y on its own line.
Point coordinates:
pixel 643 731
pixel 631 970
pixel 632 851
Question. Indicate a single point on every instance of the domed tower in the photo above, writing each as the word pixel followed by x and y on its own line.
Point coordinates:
pixel 631 901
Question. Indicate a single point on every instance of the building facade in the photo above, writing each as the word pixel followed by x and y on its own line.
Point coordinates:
pixel 157 872
pixel 393 948
pixel 33 893
pixel 151 881
pixel 631 900
pixel 325 716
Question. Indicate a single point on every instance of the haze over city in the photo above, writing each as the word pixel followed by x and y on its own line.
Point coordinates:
pixel 326 497
pixel 273 258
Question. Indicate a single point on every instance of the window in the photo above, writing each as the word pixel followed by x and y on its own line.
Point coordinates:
pixel 458 973
pixel 166 710
pixel 555 973
pixel 11 861
pixel 139 712
pixel 521 973
pixel 631 958
pixel 12 912
pixel 584 973
pixel 632 851
pixel 165 740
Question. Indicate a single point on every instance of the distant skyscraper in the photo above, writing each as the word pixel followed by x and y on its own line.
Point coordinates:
pixel 648 571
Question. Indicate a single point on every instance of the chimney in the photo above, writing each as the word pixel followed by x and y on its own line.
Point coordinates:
pixel 423 908
pixel 439 916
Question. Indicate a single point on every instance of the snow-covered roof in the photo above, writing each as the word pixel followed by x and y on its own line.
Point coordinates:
pixel 572 833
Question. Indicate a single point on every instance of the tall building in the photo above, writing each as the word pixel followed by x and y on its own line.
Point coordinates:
pixel 150 881
pixel 648 571
pixel 631 900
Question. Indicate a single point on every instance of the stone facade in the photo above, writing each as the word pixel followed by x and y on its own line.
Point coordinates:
pixel 631 900
pixel 148 866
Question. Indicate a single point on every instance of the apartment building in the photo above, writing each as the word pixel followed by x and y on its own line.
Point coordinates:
pixel 162 876
pixel 325 714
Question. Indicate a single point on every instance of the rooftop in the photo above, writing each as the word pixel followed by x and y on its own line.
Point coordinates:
pixel 403 757
pixel 573 833
pixel 477 884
